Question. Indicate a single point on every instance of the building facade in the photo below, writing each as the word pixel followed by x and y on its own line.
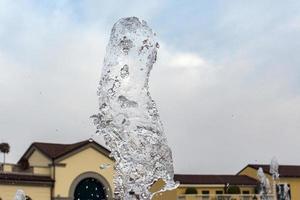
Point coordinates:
pixel 84 171
pixel 288 174
pixel 49 171
pixel 59 172
pixel 215 187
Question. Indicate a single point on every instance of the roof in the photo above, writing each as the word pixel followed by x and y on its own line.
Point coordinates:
pixel 14 177
pixel 284 170
pixel 55 150
pixel 215 179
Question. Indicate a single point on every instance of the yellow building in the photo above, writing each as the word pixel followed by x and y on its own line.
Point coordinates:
pixel 288 174
pixel 84 171
pixel 59 172
pixel 49 171
pixel 215 187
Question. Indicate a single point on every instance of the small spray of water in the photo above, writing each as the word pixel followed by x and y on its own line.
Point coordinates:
pixel 265 188
pixel 20 195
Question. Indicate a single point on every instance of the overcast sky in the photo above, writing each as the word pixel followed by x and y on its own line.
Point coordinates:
pixel 227 80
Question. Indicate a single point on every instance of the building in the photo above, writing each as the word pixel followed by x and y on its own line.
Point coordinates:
pixel 49 171
pixel 215 187
pixel 59 172
pixel 194 187
pixel 288 174
pixel 84 170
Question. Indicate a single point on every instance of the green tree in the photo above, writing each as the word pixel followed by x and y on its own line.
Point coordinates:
pixel 24 164
pixel 233 189
pixel 191 190
pixel 4 148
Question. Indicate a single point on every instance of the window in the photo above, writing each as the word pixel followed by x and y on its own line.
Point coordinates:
pixel 247 195
pixel 205 192
pixel 283 191
pixel 219 192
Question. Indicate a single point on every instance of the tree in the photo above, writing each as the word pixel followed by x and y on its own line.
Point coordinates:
pixel 24 164
pixel 233 189
pixel 4 148
pixel 191 190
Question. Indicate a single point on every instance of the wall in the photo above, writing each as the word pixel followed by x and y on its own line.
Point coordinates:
pixel 212 189
pixel 7 192
pixel 88 160
pixel 294 186
pixel 45 171
pixel 38 159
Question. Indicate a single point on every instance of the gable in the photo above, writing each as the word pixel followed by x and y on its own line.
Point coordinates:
pixel 100 151
pixel 87 153
pixel 37 158
pixel 251 172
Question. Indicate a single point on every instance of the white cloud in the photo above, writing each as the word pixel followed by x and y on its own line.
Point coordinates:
pixel 186 60
pixel 241 103
pixel 170 57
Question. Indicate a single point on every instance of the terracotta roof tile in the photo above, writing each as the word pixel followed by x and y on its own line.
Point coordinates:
pixel 55 150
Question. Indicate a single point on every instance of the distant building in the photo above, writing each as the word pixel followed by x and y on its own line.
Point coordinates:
pixel 49 171
pixel 59 172
pixel 84 171
pixel 214 186
pixel 245 183
pixel 288 174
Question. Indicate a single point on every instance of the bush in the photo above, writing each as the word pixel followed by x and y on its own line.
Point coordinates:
pixel 28 198
pixel 233 189
pixel 191 190
pixel 257 189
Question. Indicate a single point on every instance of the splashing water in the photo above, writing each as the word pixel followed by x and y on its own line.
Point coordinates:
pixel 105 166
pixel 20 195
pixel 265 188
pixel 274 167
pixel 128 118
pixel 286 192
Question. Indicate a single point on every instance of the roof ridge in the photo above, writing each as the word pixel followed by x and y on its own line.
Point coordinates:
pixel 73 146
pixel 53 143
pixel 208 174
pixel 292 165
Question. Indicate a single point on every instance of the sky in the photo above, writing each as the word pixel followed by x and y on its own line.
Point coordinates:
pixel 226 83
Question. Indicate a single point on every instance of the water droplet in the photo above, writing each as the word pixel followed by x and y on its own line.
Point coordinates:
pixel 124 73
pixel 126 103
pixel 157 45
pixel 105 166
